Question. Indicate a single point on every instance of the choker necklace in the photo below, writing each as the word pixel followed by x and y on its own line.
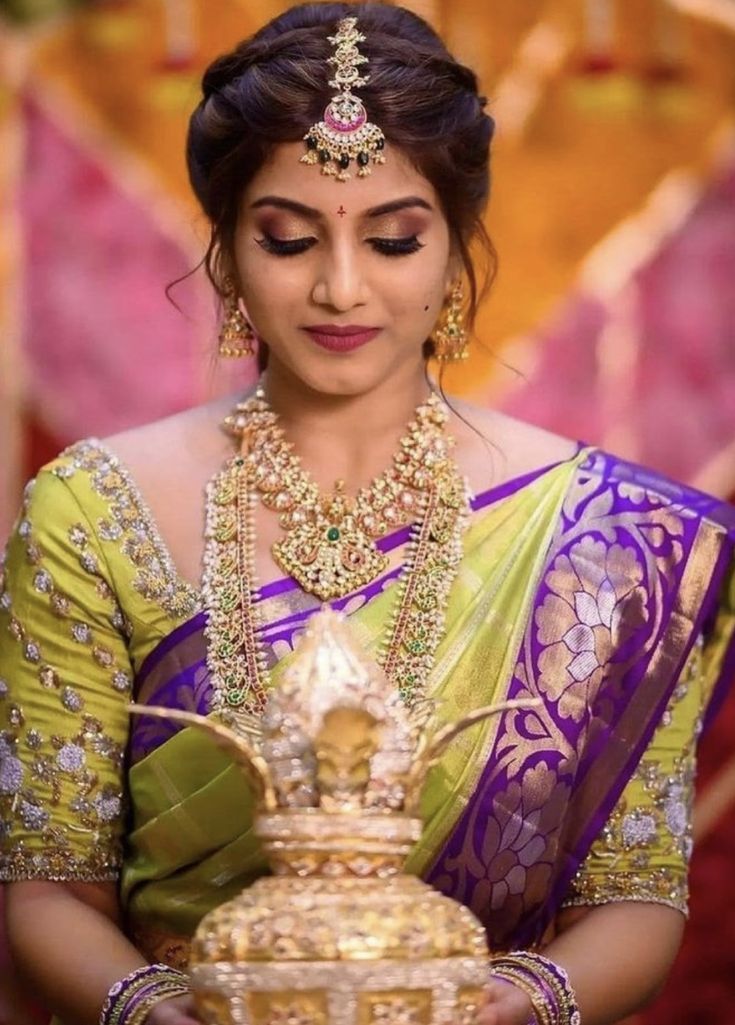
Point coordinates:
pixel 329 540
pixel 423 483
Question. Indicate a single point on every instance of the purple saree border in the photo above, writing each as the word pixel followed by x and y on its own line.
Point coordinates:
pixel 452 870
pixel 606 807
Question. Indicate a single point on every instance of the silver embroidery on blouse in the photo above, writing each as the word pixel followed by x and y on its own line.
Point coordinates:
pixel 634 837
pixel 131 522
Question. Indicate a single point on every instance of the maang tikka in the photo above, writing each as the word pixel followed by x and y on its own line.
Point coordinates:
pixel 345 134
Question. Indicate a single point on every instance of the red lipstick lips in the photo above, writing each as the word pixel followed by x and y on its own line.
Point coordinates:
pixel 341 338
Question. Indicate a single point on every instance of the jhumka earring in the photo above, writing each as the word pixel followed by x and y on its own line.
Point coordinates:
pixel 236 336
pixel 450 336
pixel 344 134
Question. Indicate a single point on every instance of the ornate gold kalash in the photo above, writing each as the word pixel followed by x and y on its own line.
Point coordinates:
pixel 338 934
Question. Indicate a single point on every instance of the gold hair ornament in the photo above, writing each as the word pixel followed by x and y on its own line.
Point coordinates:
pixel 345 134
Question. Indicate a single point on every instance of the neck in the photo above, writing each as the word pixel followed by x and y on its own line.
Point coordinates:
pixel 348 437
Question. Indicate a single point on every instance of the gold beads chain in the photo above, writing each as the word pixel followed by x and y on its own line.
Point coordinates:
pixel 235 654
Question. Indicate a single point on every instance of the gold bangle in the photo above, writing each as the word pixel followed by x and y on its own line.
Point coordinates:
pixel 554 978
pixel 166 992
pixel 518 977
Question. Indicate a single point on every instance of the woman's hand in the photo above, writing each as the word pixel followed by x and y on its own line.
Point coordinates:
pixel 176 1011
pixel 505 1005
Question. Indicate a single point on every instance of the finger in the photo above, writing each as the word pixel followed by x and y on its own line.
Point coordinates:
pixel 488 1015
pixel 171 1014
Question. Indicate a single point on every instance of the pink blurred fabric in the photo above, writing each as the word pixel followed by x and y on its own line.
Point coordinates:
pixel 104 347
pixel 676 409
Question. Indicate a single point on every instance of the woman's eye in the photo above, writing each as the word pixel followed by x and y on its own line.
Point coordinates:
pixel 291 247
pixel 285 246
pixel 396 246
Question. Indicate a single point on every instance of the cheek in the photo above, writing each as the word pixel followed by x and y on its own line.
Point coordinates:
pixel 269 289
pixel 419 289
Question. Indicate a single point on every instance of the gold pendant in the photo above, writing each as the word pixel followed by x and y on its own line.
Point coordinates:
pixel 330 556
pixel 329 561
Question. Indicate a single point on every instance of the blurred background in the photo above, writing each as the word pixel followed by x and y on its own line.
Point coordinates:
pixel 612 319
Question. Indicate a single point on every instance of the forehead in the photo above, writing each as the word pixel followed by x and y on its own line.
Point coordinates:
pixel 284 175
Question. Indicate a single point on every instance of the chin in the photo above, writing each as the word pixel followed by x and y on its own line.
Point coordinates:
pixel 339 376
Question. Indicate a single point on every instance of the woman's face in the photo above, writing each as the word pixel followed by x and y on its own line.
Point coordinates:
pixel 315 256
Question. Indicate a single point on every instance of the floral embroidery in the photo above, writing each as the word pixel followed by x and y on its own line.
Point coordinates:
pixel 644 848
pixel 511 864
pixel 11 768
pixel 622 569
pixel 38 774
pixel 130 523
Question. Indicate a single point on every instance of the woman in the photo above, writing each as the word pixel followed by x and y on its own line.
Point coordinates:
pixel 524 566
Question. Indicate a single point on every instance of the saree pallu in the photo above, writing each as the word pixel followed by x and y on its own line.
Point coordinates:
pixel 587 585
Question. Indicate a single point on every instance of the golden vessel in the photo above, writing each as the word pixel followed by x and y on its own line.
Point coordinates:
pixel 338 934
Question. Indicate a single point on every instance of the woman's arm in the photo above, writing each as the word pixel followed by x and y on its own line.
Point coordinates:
pixel 68 945
pixel 617 957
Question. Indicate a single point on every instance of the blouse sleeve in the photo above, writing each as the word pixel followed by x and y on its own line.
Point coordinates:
pixel 64 682
pixel 643 851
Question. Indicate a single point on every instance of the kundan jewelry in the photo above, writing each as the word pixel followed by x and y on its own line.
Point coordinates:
pixel 236 336
pixel 344 134
pixel 330 543
pixel 450 337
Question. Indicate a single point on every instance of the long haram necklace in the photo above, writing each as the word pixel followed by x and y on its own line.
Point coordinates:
pixel 236 659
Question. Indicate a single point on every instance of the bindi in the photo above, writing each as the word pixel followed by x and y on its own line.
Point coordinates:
pixel 341 211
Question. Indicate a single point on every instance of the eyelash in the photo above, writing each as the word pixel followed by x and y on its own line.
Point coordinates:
pixel 384 246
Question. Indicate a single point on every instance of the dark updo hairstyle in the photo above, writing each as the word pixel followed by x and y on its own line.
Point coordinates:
pixel 273 86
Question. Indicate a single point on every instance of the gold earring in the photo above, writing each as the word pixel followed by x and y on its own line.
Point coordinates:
pixel 236 336
pixel 450 337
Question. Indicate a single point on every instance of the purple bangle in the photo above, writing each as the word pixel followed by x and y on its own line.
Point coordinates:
pixel 128 994
pixel 550 979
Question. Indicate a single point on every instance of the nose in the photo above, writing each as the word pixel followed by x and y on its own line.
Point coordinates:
pixel 340 282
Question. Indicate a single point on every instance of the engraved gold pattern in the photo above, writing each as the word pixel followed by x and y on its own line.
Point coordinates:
pixel 342 762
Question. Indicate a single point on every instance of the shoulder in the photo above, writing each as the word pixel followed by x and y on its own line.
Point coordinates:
pixel 185 447
pixel 163 459
pixel 519 447
pixel 496 447
pixel 637 486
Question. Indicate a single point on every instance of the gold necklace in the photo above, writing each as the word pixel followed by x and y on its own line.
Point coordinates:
pixel 329 541
pixel 235 656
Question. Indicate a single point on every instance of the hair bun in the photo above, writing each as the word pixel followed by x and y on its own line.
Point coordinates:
pixel 231 67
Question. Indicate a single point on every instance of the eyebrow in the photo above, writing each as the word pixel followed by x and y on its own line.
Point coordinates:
pixel 309 211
